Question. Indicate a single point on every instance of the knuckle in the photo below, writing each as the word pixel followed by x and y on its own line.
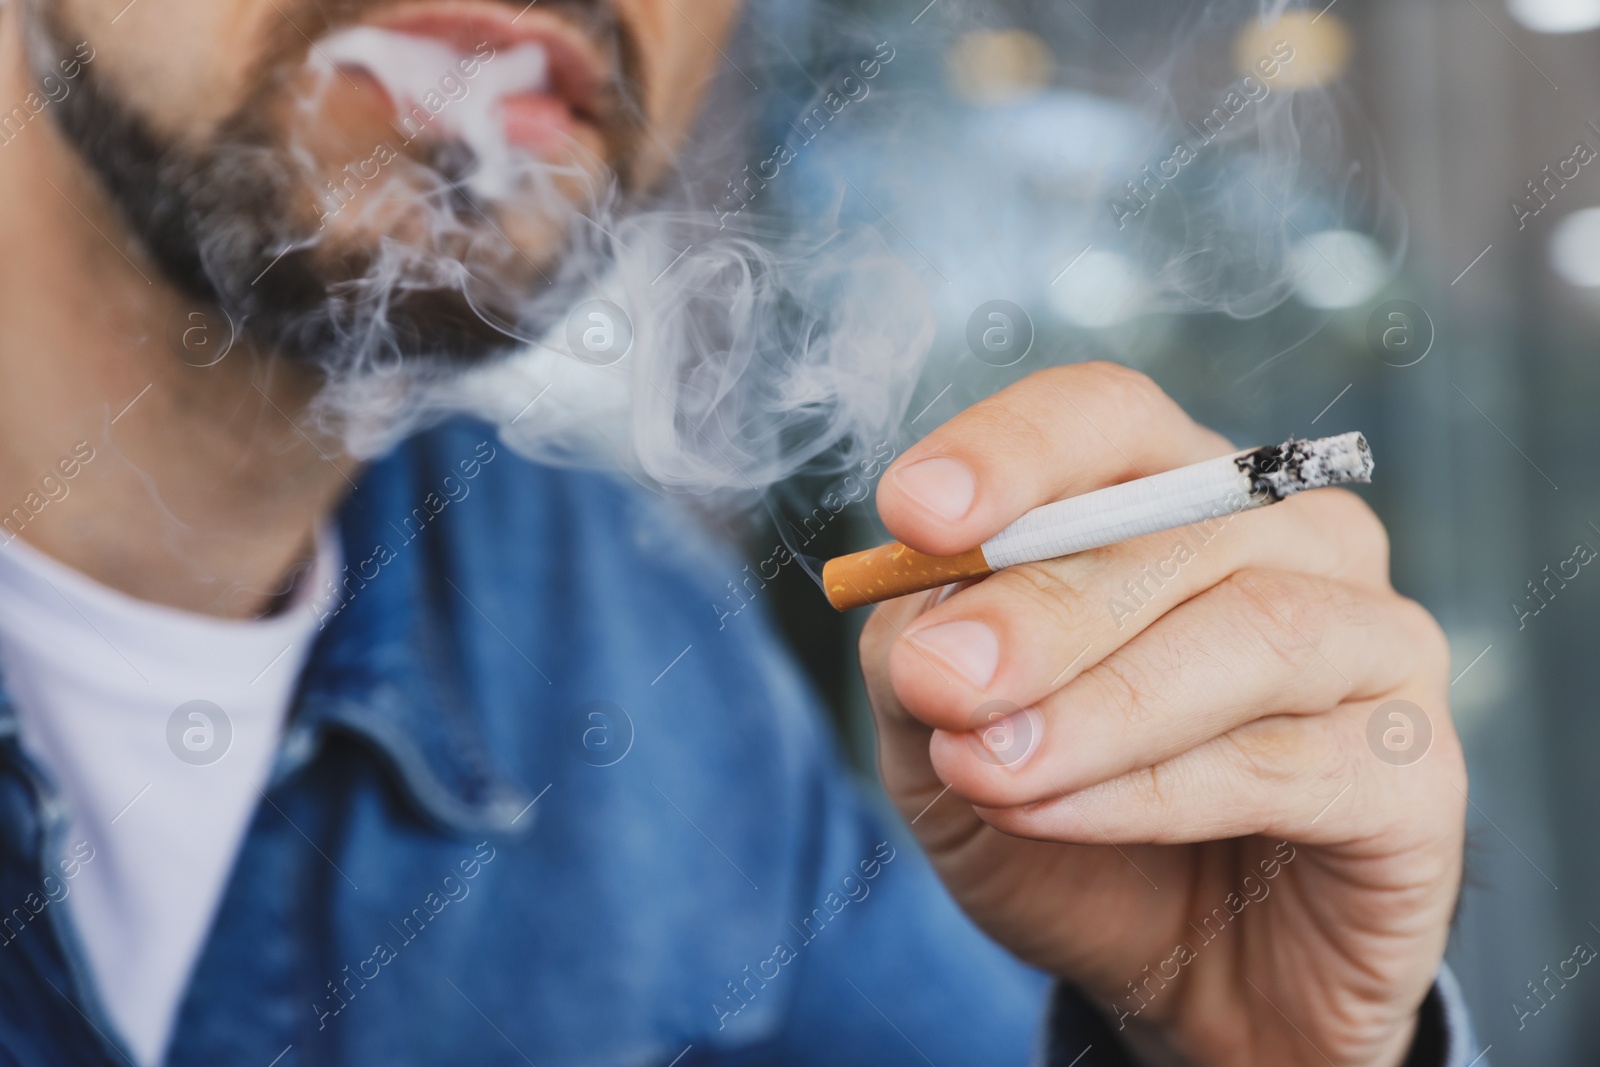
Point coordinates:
pixel 1145 789
pixel 1268 750
pixel 1066 606
pixel 1128 390
pixel 1123 689
pixel 1006 417
pixel 1022 426
pixel 1159 790
pixel 1269 755
pixel 1131 395
pixel 1428 639
pixel 1118 375
pixel 1277 611
pixel 1360 526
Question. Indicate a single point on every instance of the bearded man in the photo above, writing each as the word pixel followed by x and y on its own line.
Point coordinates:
pixel 299 761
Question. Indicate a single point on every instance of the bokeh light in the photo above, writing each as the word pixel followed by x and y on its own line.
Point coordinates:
pixel 1102 289
pixel 1556 16
pixel 1575 248
pixel 1338 269
pixel 1321 44
pixel 998 66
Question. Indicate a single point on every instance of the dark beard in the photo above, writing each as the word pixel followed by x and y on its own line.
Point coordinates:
pixel 219 220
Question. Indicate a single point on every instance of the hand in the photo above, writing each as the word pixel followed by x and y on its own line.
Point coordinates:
pixel 1187 820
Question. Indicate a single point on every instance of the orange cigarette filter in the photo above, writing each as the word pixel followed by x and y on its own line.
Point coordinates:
pixel 893 570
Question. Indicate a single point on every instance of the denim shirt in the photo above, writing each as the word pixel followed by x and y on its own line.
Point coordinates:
pixel 537 804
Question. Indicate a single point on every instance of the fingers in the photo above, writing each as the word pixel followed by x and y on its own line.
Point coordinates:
pixel 1309 779
pixel 1173 683
pixel 1261 644
pixel 903 762
pixel 1058 433
pixel 1027 631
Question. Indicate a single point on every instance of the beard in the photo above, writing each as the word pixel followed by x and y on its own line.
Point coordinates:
pixel 350 261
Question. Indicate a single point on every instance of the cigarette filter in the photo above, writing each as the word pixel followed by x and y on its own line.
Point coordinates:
pixel 1216 487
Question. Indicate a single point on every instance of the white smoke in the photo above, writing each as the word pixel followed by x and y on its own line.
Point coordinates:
pixel 741 343
pixel 410 68
pixel 732 356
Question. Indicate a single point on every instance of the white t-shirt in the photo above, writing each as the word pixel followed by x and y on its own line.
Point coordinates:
pixel 159 728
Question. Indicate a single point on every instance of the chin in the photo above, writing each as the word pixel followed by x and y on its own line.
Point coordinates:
pixel 400 194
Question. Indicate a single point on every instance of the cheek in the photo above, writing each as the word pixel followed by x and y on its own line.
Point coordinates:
pixel 183 64
pixel 678 58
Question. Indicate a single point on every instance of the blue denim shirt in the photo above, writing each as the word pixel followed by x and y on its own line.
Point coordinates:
pixel 534 806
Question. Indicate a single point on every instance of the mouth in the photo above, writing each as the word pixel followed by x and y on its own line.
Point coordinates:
pixel 535 81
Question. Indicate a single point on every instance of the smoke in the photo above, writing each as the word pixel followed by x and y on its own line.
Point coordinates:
pixel 1189 175
pixel 697 340
pixel 749 360
pixel 846 202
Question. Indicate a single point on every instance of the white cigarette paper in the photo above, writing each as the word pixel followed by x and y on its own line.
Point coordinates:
pixel 1209 490
pixel 1205 491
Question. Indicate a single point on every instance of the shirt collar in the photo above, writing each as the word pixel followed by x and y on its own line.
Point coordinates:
pixel 382 668
pixel 380 671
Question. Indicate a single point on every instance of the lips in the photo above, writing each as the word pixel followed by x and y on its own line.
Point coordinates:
pixel 576 70
pixel 543 74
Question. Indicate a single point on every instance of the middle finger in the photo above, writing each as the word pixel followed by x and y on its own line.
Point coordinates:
pixel 1260 644
pixel 1026 631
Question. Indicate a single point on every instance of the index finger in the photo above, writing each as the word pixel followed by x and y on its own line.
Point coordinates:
pixel 1055 434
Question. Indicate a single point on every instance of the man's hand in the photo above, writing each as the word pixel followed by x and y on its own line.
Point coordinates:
pixel 1183 813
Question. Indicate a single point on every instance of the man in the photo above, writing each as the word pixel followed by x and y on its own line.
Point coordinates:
pixel 509 796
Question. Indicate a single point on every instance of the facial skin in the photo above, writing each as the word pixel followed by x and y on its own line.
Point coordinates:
pixel 207 490
pixel 332 221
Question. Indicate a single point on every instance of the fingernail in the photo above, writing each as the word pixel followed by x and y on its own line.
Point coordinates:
pixel 942 485
pixel 1013 740
pixel 971 648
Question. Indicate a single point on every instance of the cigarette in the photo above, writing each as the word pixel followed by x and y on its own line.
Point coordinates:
pixel 1213 489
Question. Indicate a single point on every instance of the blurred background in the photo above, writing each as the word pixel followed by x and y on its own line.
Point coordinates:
pixel 1398 231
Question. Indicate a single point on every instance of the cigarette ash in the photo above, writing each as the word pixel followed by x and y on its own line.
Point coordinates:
pixel 1278 471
